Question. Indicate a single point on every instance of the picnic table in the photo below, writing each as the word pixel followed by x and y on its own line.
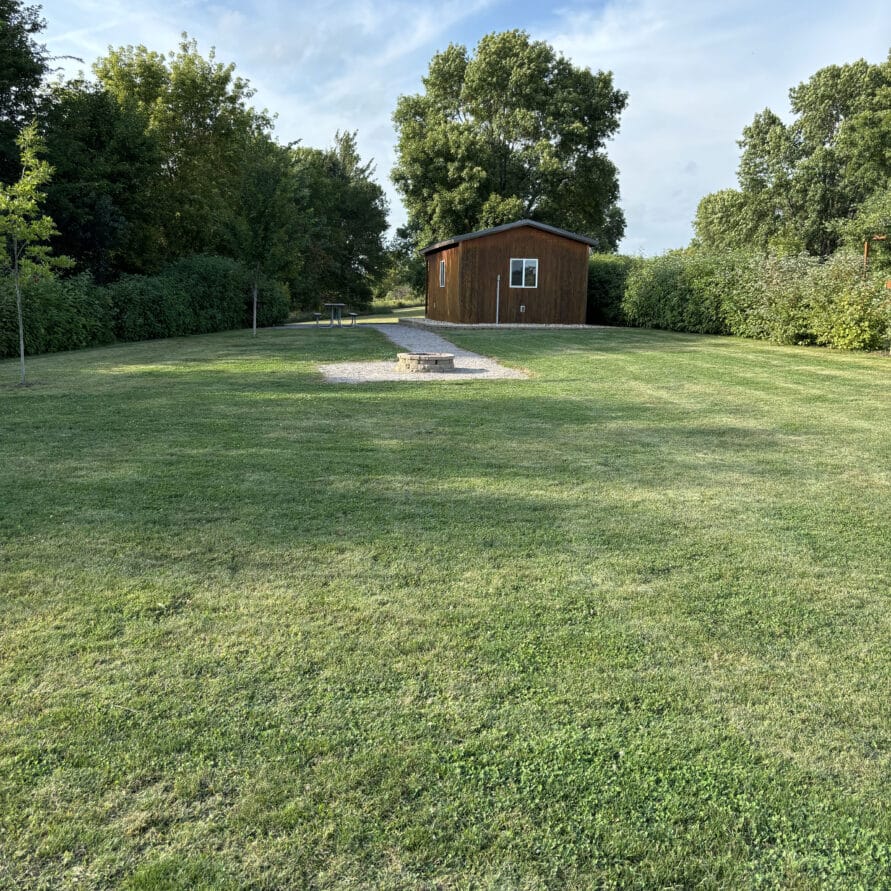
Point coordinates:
pixel 336 313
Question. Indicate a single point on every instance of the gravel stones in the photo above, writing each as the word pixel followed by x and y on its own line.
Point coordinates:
pixel 467 365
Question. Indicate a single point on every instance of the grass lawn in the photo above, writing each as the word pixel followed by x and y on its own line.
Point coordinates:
pixel 380 313
pixel 626 624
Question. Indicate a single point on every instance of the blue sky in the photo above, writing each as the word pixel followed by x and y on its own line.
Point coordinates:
pixel 696 72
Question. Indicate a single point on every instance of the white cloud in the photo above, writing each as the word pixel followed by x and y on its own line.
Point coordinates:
pixel 697 73
pixel 318 68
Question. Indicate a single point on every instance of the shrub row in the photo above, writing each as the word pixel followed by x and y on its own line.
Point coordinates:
pixel 806 300
pixel 794 300
pixel 197 295
pixel 607 277
pixel 679 292
pixel 59 314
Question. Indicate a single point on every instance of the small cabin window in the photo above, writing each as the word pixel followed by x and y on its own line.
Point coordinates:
pixel 523 273
pixel 442 273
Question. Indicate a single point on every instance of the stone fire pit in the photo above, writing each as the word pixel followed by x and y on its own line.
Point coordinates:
pixel 425 362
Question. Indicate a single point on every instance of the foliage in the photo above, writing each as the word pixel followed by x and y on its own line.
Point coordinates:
pixel 164 159
pixel 266 234
pixel 198 113
pixel 800 182
pixel 196 295
pixel 850 313
pixel 607 277
pixel 59 314
pixel 105 190
pixel 345 217
pixel 873 218
pixel 514 131
pixel 803 300
pixel 678 291
pixel 274 304
pixel 24 228
pixel 792 300
pixel 403 278
pixel 23 63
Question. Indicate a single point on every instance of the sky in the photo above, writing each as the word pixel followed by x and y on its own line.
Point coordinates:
pixel 696 72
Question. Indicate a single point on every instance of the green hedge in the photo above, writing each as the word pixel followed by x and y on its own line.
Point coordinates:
pixel 805 300
pixel 795 300
pixel 607 276
pixel 196 295
pixel 677 291
pixel 58 314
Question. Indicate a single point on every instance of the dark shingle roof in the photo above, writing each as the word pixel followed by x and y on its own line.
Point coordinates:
pixel 535 225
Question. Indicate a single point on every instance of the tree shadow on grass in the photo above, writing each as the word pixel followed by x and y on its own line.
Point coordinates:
pixel 484 607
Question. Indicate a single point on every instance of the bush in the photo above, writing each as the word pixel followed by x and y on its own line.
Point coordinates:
pixel 59 314
pixel 679 291
pixel 216 290
pixel 274 300
pixel 196 295
pixel 775 300
pixel 847 310
pixel 148 307
pixel 791 300
pixel 805 300
pixel 607 276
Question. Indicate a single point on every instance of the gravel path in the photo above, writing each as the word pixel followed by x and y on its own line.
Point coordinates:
pixel 468 366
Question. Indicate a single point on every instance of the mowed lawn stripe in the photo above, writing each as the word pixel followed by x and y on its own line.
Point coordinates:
pixel 622 624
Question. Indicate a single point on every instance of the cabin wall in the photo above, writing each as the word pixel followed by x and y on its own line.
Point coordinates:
pixel 443 304
pixel 561 295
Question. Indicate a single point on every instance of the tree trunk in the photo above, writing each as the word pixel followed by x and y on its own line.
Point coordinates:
pixel 18 304
pixel 256 276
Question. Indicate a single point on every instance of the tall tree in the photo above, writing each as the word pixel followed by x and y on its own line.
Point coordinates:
pixel 104 193
pixel 513 131
pixel 266 233
pixel 800 182
pixel 404 271
pixel 198 112
pixel 345 213
pixel 24 228
pixel 23 64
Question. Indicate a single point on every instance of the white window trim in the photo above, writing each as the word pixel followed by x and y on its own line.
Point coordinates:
pixel 524 261
pixel 442 273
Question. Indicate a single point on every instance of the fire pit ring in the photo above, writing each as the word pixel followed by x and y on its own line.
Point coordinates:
pixel 416 363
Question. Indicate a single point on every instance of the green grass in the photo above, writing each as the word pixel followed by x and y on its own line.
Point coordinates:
pixel 399 308
pixel 624 625
pixel 379 314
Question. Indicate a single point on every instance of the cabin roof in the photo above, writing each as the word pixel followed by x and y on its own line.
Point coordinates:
pixel 439 245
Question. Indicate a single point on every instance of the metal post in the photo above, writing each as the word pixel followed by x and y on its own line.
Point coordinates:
pixel 497 298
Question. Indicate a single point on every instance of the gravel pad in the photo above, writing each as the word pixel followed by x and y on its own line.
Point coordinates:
pixel 468 366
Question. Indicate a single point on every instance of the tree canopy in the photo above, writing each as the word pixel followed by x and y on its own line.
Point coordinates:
pixel 24 228
pixel 105 190
pixel 346 217
pixel 169 192
pixel 801 184
pixel 164 157
pixel 23 65
pixel 512 131
pixel 198 113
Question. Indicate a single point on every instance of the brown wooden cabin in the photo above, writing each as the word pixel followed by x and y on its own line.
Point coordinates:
pixel 544 276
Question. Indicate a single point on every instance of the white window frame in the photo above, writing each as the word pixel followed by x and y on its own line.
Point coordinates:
pixel 524 261
pixel 442 273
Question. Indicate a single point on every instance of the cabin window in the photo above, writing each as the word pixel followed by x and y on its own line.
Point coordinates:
pixel 523 273
pixel 442 273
